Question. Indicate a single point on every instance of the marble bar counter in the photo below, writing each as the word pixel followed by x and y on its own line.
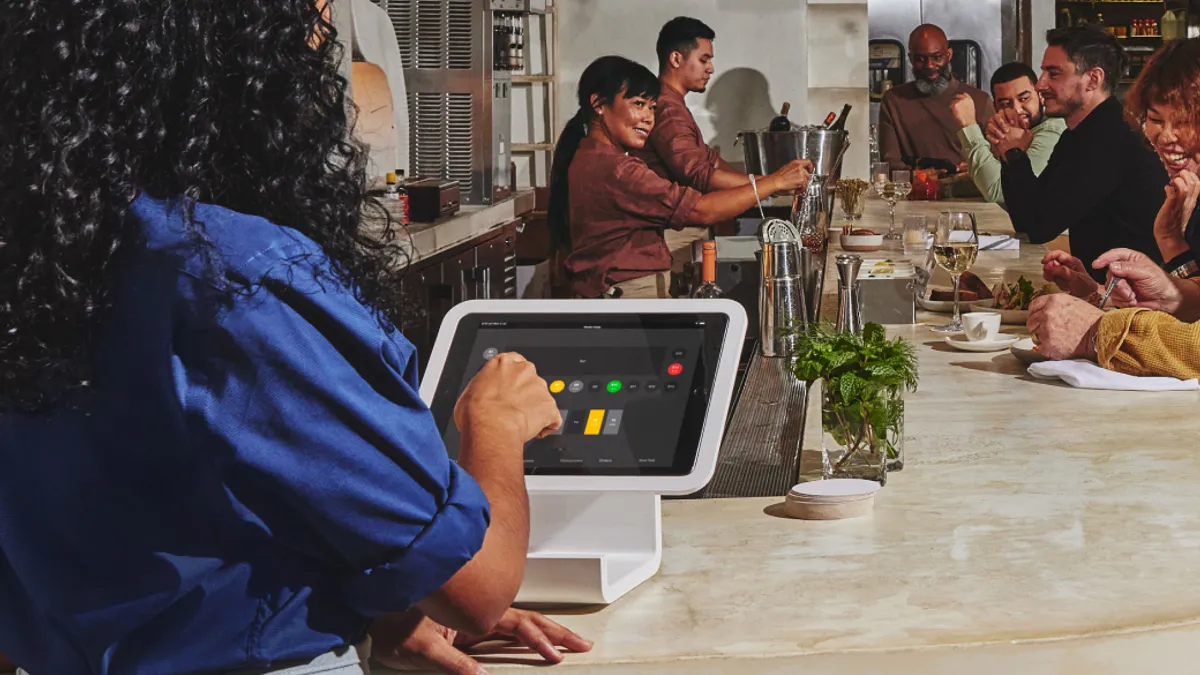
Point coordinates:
pixel 1035 529
pixel 428 239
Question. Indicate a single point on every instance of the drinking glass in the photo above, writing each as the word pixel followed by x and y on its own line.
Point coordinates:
pixel 955 246
pixel 916 229
pixel 880 174
pixel 899 187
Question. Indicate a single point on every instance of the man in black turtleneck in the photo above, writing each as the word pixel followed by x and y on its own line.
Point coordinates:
pixel 1103 182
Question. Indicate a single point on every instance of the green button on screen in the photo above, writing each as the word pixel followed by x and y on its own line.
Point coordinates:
pixel 614 386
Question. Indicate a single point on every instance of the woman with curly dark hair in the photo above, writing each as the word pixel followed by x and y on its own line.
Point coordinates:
pixel 213 455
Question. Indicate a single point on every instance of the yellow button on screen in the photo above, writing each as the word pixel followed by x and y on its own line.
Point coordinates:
pixel 595 423
pixel 557 386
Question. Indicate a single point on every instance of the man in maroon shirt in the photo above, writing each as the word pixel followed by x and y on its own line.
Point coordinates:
pixel 676 149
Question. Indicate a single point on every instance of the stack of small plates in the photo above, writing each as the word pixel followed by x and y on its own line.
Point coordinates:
pixel 832 499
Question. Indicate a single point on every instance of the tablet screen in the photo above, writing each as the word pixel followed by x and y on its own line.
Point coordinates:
pixel 633 390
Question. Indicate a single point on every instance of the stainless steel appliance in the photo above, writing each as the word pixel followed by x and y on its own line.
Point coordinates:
pixel 459 56
pixel 985 34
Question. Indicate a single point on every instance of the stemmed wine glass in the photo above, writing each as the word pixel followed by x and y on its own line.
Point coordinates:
pixel 880 178
pixel 893 190
pixel 955 247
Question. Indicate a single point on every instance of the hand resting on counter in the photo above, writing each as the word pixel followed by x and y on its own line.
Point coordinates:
pixel 412 641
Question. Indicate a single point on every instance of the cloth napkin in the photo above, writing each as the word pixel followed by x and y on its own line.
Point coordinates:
pixel 987 242
pixel 1087 375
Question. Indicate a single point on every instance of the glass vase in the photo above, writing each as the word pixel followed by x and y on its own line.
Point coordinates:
pixel 862 434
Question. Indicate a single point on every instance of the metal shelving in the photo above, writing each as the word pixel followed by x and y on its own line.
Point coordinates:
pixel 542 116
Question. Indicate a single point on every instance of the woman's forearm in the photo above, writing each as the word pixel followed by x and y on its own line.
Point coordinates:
pixel 1189 303
pixel 721 205
pixel 1171 246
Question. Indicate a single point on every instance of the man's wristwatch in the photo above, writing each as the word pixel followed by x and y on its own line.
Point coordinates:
pixel 1186 270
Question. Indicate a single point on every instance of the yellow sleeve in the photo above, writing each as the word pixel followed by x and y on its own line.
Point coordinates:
pixel 1142 342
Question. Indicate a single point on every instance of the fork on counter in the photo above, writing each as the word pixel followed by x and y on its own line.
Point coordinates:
pixel 1108 290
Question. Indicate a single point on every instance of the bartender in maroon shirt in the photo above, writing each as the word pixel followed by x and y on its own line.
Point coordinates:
pixel 608 211
pixel 676 149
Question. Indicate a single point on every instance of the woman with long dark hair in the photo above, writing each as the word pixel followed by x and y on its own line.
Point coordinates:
pixel 213 454
pixel 608 210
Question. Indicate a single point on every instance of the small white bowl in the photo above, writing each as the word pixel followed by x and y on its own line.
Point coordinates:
pixel 862 242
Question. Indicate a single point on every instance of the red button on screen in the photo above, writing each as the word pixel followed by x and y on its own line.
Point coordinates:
pixel 674 369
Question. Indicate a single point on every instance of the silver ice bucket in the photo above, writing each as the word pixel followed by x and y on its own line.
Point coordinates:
pixel 768 151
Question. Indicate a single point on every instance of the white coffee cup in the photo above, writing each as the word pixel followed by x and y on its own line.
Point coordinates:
pixel 981 326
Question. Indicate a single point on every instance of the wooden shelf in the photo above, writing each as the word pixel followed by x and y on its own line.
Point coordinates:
pixel 1140 37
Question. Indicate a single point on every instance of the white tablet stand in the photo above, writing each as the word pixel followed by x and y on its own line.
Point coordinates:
pixel 590 547
pixel 594 538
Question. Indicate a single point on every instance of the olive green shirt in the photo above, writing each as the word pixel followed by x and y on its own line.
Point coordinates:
pixel 985 168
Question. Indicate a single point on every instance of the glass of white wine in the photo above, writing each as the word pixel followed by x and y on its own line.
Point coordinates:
pixel 955 247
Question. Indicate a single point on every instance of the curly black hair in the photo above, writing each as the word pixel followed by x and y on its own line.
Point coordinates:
pixel 238 104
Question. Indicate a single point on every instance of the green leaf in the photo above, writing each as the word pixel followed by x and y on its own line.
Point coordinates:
pixel 851 386
pixel 874 333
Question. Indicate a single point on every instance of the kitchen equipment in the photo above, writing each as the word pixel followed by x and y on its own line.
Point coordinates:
pixel 459 56
pixel 432 198
pixel 781 306
pixel 849 318
pixel 1108 290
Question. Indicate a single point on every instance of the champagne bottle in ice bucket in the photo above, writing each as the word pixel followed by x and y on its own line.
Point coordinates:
pixel 781 123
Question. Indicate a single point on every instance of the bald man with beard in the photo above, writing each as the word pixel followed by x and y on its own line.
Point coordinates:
pixel 915 119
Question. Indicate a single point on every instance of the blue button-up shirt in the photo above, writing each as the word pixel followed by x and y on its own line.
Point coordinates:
pixel 250 478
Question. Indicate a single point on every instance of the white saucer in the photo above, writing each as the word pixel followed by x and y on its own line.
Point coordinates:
pixel 1002 341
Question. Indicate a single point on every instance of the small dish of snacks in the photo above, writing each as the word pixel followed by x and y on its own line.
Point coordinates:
pixel 862 241
pixel 1012 300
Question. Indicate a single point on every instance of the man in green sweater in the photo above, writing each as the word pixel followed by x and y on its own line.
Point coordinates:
pixel 1014 86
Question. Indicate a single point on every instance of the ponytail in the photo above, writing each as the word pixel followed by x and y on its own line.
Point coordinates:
pixel 558 210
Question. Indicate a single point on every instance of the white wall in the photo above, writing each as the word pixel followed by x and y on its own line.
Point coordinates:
pixel 837 57
pixel 760 56
pixel 1043 18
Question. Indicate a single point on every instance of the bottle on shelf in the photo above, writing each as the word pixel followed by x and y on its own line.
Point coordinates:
pixel 402 196
pixel 781 122
pixel 1168 26
pixel 392 191
pixel 840 124
pixel 708 273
